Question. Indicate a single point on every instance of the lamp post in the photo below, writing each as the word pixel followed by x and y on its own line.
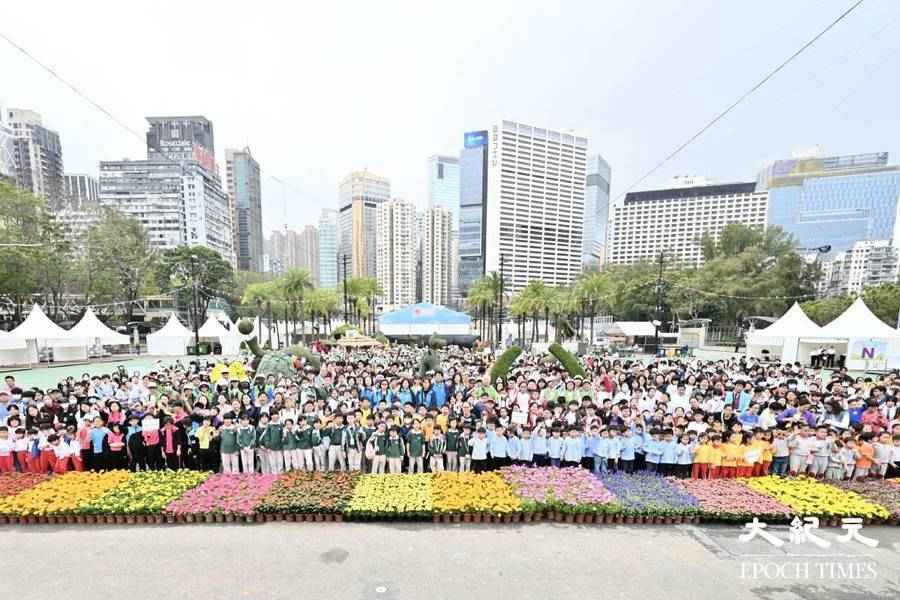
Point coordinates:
pixel 656 320
pixel 500 302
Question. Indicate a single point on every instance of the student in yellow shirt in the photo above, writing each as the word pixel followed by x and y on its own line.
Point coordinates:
pixel 700 470
pixel 750 454
pixel 763 442
pixel 715 456
pixel 731 456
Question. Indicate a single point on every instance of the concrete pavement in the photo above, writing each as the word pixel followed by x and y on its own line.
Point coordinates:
pixel 398 561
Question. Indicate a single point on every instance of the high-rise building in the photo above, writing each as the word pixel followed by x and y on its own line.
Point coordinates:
pixel 308 251
pixel 473 171
pixel 37 156
pixel 80 191
pixel 7 152
pixel 437 255
pixel 182 138
pixel 176 193
pixel 245 199
pixel 328 248
pixel 865 263
pixel 359 195
pixel 673 220
pixel 596 211
pixel 395 252
pixel 443 192
pixel 535 204
pixel 835 201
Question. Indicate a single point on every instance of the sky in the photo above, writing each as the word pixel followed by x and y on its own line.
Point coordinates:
pixel 320 89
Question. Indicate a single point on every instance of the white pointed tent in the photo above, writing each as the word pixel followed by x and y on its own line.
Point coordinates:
pixel 171 340
pixel 871 343
pixel 92 329
pixel 230 340
pixel 37 330
pixel 788 337
pixel 13 351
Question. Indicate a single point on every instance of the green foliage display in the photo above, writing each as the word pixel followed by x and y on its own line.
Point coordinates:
pixel 436 342
pixel 568 360
pixel 341 330
pixel 279 364
pixel 883 300
pixel 430 361
pixel 503 363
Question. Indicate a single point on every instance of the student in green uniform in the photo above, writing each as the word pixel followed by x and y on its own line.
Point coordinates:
pixel 351 444
pixel 274 436
pixel 394 450
pixel 379 440
pixel 337 461
pixel 415 448
pixel 436 447
pixel 307 438
pixel 462 447
pixel 228 446
pixel 246 440
pixel 289 447
pixel 366 465
pixel 451 438
pixel 262 451
pixel 320 448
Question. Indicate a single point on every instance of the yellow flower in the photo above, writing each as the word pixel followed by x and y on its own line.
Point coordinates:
pixel 807 496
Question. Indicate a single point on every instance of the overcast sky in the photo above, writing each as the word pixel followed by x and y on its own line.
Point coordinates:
pixel 318 89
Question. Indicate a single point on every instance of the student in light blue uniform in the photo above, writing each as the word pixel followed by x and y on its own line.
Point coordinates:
pixel 627 444
pixel 539 447
pixel 600 449
pixel 513 448
pixel 667 458
pixel 572 449
pixel 555 447
pixel 499 447
pixel 684 458
pixel 526 448
pixel 653 451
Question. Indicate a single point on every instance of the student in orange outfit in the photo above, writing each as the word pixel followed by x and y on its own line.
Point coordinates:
pixel 748 457
pixel 700 469
pixel 715 456
pixel 865 456
pixel 731 456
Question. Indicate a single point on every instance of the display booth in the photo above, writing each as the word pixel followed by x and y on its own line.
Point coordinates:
pixel 97 334
pixel 171 340
pixel 13 351
pixel 867 341
pixel 424 319
pixel 230 340
pixel 39 334
pixel 790 339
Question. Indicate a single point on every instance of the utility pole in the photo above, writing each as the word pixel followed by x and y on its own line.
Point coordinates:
pixel 196 305
pixel 344 259
pixel 657 319
pixel 500 312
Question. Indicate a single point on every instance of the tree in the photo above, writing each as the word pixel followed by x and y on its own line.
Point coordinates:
pixel 591 292
pixel 883 300
pixel 118 260
pixel 294 284
pixel 185 268
pixel 483 296
pixel 362 292
pixel 322 302
pixel 825 310
pixel 261 296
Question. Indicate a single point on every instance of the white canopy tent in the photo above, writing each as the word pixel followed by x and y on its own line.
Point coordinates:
pixel 230 340
pixel 13 351
pixel 792 337
pixel 871 343
pixel 171 340
pixel 37 330
pixel 631 329
pixel 92 329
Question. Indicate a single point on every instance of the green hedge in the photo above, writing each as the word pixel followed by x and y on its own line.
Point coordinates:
pixel 568 360
pixel 504 362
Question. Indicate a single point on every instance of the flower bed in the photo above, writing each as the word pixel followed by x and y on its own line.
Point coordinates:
pixel 62 495
pixel 144 493
pixel 877 491
pixel 808 497
pixel 13 483
pixel 732 500
pixel 224 494
pixel 467 493
pixel 569 490
pixel 648 495
pixel 391 496
pixel 300 492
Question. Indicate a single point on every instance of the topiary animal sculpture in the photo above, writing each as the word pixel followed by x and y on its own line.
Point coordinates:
pixel 280 363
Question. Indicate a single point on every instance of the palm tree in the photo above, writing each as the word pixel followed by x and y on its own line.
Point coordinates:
pixel 260 294
pixel 322 302
pixel 294 285
pixel 592 290
pixel 536 301
pixel 362 292
pixel 482 297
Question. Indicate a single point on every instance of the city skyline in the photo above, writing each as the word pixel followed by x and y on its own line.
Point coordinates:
pixel 439 109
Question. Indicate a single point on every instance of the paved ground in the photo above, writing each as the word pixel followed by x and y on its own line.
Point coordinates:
pixel 341 561
pixel 44 377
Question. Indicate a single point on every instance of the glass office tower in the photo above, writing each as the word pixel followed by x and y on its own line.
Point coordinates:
pixel 472 207
pixel 834 201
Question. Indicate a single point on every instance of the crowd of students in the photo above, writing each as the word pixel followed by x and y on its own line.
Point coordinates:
pixel 370 411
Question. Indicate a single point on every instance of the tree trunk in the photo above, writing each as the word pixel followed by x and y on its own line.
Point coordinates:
pixel 593 311
pixel 547 325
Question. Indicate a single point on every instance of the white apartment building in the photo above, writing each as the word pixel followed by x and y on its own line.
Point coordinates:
pixel 535 203
pixel 178 204
pixel 395 254
pixel 673 220
pixel 437 255
pixel 866 263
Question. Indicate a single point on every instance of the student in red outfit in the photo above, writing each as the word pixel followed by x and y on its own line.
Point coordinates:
pixel 7 448
pixel 60 453
pixel 173 441
pixel 116 453
pixel 47 458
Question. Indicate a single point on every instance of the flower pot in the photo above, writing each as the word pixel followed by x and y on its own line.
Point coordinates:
pixel 270 517
pixel 436 518
pixel 457 518
pixel 251 518
pixel 120 519
pixel 669 520
pixel 189 518
pixel 158 519
pixel 320 518
pixel 229 518
pixel 339 517
pixel 467 518
pixel 579 518
pixel 170 518
pixel 570 518
pixel 51 519
pixel 129 519
pixel 526 518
